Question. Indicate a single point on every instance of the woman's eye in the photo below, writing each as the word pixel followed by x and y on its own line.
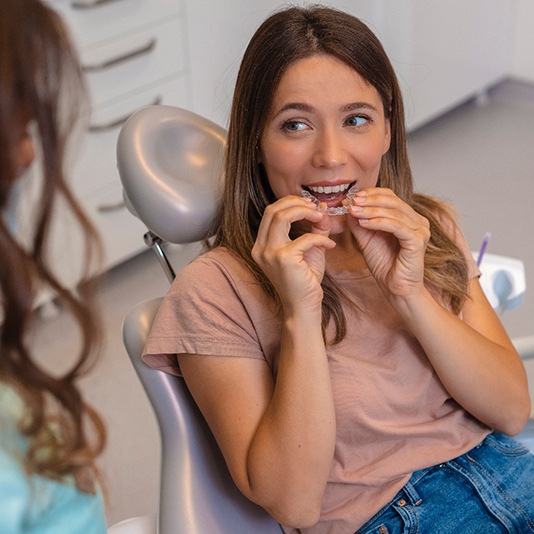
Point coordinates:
pixel 294 126
pixel 357 120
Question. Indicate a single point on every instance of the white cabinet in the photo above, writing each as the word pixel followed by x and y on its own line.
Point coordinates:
pixel 134 53
pixel 445 52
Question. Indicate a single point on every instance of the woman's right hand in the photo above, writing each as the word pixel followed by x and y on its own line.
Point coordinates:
pixel 294 267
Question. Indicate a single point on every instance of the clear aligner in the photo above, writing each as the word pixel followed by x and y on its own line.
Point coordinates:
pixel 340 210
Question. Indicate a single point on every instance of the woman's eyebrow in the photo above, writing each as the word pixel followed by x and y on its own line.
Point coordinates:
pixel 356 106
pixel 351 106
pixel 297 106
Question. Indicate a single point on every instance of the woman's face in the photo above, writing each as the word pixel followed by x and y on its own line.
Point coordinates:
pixel 326 131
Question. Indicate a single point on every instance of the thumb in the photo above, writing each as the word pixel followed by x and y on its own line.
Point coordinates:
pixel 322 226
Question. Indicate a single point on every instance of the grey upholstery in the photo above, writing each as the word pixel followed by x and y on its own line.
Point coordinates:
pixel 169 163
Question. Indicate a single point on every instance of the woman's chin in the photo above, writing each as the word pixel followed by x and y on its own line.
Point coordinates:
pixel 338 224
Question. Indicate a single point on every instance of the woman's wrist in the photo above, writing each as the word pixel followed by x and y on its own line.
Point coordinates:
pixel 411 306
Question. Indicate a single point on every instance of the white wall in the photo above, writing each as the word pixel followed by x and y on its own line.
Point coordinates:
pixel 522 60
pixel 218 34
pixel 444 53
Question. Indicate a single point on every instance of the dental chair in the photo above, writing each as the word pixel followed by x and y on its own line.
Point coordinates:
pixel 169 161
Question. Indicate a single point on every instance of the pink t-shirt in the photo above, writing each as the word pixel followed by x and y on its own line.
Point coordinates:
pixel 393 415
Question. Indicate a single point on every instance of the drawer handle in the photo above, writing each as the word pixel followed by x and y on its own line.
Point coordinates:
pixel 142 50
pixel 110 208
pixel 121 120
pixel 88 4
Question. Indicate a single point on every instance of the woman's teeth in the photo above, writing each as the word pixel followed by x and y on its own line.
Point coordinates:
pixel 329 188
pixel 321 206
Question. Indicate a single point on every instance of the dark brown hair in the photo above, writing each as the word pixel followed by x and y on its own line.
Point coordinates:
pixel 284 38
pixel 41 81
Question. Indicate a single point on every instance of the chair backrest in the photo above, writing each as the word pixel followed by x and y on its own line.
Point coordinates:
pixel 197 492
pixel 169 162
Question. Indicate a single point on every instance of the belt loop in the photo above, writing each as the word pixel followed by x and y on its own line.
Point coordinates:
pixel 411 494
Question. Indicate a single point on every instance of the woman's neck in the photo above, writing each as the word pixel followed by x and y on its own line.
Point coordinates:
pixel 346 255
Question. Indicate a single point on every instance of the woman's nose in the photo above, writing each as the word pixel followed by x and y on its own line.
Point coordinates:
pixel 330 150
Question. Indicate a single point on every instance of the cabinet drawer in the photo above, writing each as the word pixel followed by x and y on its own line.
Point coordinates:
pixel 94 21
pixel 124 66
pixel 121 232
pixel 96 165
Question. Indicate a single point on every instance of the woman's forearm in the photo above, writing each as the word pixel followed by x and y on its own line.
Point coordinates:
pixel 291 454
pixel 484 374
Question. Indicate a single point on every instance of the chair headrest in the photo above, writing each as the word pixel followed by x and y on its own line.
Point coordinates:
pixel 170 164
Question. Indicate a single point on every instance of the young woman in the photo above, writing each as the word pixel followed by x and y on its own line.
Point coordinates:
pixel 49 437
pixel 335 335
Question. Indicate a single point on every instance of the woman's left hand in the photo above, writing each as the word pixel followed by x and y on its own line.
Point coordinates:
pixel 392 238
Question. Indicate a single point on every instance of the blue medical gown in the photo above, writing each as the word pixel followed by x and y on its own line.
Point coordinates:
pixel 35 504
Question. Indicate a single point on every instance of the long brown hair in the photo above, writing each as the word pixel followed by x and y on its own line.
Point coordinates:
pixel 285 37
pixel 41 80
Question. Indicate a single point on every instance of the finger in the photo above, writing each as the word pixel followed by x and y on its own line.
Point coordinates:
pixel 408 236
pixel 385 198
pixel 387 219
pixel 322 226
pixel 391 220
pixel 278 218
pixel 307 241
pixel 297 248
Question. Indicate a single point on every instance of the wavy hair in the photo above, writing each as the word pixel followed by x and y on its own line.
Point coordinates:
pixel 41 80
pixel 285 37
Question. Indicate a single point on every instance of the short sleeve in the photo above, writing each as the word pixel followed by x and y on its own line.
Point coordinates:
pixel 206 311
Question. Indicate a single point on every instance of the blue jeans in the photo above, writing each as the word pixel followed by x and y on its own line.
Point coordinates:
pixel 487 490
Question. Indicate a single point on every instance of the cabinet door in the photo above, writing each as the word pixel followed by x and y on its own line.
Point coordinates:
pixel 141 59
pixel 446 52
pixel 96 21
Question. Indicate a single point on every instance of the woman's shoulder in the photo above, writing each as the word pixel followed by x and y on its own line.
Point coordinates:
pixel 219 257
pixel 218 280
pixel 210 269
